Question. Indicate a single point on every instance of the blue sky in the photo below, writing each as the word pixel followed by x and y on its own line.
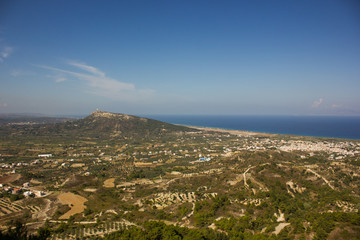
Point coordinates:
pixel 180 57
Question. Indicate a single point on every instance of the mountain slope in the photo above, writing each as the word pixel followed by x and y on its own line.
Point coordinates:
pixel 105 125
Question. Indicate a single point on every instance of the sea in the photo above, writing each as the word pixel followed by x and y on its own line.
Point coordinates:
pixel 346 127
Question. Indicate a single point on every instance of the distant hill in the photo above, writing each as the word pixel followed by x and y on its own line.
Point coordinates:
pixel 104 125
pixel 30 119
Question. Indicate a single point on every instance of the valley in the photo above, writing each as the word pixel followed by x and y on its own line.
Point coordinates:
pixel 109 176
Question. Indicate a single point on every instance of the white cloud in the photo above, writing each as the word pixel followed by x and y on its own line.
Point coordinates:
pixel 101 85
pixel 87 68
pixel 317 103
pixel 5 53
pixel 60 79
pixel 4 105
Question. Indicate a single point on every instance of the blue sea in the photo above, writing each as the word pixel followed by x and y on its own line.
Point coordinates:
pixel 316 126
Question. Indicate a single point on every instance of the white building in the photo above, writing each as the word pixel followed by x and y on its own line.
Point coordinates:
pixel 45 155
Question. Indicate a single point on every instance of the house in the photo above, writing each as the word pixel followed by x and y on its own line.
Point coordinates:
pixel 204 159
pixel 45 155
pixel 39 193
pixel 16 191
pixel 28 194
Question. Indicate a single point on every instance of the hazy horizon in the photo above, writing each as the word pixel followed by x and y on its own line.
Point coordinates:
pixel 180 57
pixel 81 115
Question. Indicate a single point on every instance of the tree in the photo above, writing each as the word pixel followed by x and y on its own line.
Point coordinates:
pixel 19 232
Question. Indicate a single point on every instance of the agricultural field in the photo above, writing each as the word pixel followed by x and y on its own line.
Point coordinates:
pixel 200 184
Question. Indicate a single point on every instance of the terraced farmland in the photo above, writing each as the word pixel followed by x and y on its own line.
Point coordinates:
pixel 8 207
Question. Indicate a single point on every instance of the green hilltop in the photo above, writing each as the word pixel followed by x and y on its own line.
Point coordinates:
pixel 100 124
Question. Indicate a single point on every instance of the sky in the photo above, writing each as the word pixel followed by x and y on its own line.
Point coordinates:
pixel 261 57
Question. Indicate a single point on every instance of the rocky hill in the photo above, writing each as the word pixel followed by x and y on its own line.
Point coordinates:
pixel 104 125
pixel 107 124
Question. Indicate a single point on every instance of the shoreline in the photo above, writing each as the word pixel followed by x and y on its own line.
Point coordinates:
pixel 250 133
pixel 341 128
pixel 231 131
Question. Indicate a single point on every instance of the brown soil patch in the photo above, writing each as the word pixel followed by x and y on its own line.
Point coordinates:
pixel 109 183
pixel 75 202
pixel 10 178
pixel 76 165
pixel 144 164
pixel 90 189
pixel 280 227
pixel 33 181
pixel 135 182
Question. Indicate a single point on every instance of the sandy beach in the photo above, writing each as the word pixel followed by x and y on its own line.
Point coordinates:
pixel 230 131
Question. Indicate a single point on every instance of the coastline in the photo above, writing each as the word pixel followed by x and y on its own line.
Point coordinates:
pixel 249 133
pixel 344 128
pixel 231 131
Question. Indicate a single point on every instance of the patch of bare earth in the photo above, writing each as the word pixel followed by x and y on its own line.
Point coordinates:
pixel 10 178
pixel 90 189
pixel 33 181
pixel 109 183
pixel 77 165
pixel 280 227
pixel 75 202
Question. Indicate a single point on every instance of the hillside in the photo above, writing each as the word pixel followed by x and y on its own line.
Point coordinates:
pixel 100 124
pixel 30 119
